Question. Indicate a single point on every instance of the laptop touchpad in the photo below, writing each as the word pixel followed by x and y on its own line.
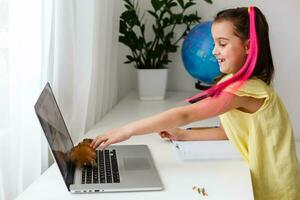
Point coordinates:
pixel 136 164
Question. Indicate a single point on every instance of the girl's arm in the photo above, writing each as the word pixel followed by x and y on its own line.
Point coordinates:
pixel 193 134
pixel 176 117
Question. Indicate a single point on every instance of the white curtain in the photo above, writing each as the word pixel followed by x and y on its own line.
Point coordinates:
pixel 81 60
pixel 71 44
pixel 20 137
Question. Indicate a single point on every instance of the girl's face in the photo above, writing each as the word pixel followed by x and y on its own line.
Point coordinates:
pixel 229 49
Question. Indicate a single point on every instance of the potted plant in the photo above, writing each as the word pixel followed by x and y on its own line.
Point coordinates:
pixel 152 56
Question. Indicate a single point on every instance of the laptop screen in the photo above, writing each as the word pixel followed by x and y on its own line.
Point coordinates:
pixel 56 132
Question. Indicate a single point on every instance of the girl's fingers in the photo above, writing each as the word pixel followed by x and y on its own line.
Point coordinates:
pixel 98 141
pixel 163 134
pixel 94 141
pixel 104 144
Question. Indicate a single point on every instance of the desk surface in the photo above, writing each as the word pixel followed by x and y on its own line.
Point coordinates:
pixel 222 179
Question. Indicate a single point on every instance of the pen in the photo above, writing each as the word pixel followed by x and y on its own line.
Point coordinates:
pixel 199 128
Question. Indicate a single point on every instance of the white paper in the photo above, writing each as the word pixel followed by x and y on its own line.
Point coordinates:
pixel 198 150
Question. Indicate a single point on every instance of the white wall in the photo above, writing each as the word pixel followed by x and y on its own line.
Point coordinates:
pixel 125 72
pixel 283 18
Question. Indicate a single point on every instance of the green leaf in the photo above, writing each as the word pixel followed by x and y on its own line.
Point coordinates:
pixel 208 1
pixel 127 43
pixel 178 18
pixel 169 36
pixel 192 18
pixel 171 4
pixel 163 12
pixel 157 4
pixel 127 62
pixel 151 55
pixel 161 33
pixel 132 59
pixel 152 13
pixel 143 29
pixel 123 27
pixel 181 3
pixel 128 7
pixel 129 3
pixel 124 40
pixel 173 48
pixel 189 4
pixel 166 22
pixel 140 43
pixel 165 60
pixel 132 37
pixel 160 48
pixel 148 44
pixel 130 17
pixel 170 47
pixel 129 57
pixel 154 29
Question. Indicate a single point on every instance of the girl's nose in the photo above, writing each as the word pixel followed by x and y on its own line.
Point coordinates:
pixel 215 52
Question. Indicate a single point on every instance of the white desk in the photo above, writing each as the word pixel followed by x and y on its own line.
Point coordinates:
pixel 222 179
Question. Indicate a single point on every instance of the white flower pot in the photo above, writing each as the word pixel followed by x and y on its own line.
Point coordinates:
pixel 152 83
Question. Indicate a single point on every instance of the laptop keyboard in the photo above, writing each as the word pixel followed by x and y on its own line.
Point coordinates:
pixel 106 170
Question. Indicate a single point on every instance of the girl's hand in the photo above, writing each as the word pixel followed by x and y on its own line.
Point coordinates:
pixel 111 137
pixel 173 134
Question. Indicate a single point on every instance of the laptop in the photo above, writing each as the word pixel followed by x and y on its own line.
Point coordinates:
pixel 118 168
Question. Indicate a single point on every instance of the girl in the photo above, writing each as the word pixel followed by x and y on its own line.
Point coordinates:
pixel 251 113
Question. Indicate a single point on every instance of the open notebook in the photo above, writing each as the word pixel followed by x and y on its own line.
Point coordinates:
pixel 207 150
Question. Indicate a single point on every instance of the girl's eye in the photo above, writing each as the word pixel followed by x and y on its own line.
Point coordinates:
pixel 222 45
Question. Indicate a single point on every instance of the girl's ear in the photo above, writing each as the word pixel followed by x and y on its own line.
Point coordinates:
pixel 247 46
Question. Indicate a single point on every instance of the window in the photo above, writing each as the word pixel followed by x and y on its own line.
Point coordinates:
pixel 4 95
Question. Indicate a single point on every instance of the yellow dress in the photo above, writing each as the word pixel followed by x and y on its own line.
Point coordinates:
pixel 265 140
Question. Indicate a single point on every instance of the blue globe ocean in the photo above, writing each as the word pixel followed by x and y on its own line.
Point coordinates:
pixel 197 54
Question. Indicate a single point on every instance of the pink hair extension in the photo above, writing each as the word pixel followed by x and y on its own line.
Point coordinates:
pixel 243 74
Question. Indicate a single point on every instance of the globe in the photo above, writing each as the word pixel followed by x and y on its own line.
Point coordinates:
pixel 197 55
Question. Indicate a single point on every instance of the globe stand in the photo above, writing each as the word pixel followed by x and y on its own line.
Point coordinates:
pixel 202 86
